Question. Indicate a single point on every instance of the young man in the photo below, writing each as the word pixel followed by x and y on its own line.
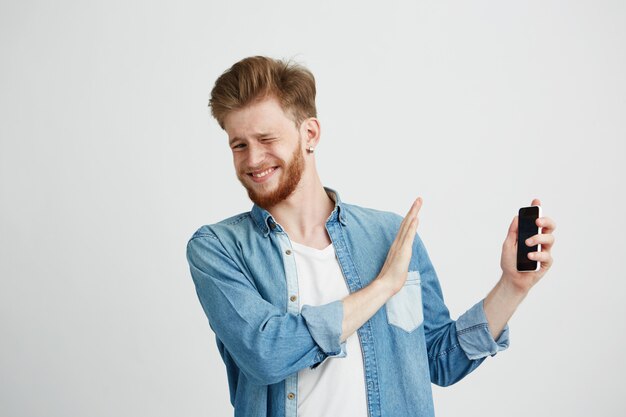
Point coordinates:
pixel 319 307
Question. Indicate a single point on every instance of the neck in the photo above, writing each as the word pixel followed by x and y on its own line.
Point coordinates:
pixel 303 215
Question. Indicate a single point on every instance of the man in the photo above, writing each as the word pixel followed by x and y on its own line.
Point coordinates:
pixel 319 307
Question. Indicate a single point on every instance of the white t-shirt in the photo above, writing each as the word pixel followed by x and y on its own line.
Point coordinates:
pixel 337 386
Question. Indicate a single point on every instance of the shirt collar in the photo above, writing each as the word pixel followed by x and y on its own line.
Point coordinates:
pixel 266 223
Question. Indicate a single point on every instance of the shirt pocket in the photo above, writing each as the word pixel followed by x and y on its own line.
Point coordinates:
pixel 404 309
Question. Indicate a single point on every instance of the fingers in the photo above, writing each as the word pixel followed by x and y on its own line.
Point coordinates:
pixel 546 240
pixel 410 214
pixel 409 236
pixel 406 224
pixel 544 257
pixel 408 219
pixel 412 219
pixel 547 224
pixel 415 207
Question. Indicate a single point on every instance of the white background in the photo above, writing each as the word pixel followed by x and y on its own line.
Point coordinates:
pixel 109 161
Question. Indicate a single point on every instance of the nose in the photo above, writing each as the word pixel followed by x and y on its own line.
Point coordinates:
pixel 256 155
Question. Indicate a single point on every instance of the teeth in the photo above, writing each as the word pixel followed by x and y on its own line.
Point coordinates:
pixel 264 173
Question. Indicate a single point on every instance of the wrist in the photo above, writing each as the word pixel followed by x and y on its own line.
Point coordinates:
pixel 385 286
pixel 510 290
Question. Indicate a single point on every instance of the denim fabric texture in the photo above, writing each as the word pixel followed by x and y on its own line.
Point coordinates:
pixel 244 272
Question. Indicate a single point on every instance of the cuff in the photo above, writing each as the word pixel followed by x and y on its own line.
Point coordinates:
pixel 321 356
pixel 324 323
pixel 474 335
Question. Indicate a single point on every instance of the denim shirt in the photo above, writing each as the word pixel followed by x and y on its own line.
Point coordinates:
pixel 245 276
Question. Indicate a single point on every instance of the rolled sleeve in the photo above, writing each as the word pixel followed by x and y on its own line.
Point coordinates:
pixel 266 343
pixel 474 335
pixel 325 325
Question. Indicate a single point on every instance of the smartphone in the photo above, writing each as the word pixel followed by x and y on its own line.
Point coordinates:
pixel 527 227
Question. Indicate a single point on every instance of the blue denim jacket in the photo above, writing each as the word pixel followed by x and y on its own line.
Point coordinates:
pixel 245 276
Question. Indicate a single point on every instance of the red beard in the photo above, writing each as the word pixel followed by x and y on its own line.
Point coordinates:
pixel 287 184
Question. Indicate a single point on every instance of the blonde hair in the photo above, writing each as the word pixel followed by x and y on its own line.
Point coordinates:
pixel 258 77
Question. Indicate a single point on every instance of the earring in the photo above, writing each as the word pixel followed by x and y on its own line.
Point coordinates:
pixel 311 149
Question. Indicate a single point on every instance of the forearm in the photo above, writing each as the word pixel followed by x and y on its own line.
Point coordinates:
pixel 500 304
pixel 363 304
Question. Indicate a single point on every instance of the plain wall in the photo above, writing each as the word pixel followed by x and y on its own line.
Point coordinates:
pixel 109 161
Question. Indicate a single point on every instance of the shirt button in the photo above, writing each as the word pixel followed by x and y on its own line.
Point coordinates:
pixel 272 226
pixel 293 298
pixel 291 395
pixel 288 251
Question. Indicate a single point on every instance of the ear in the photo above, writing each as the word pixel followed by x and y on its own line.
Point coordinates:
pixel 310 130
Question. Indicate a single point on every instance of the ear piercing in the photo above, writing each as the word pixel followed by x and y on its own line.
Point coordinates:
pixel 311 149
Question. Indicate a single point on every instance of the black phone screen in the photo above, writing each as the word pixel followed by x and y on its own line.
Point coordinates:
pixel 527 228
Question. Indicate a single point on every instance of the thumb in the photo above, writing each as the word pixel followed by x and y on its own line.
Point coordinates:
pixel 511 237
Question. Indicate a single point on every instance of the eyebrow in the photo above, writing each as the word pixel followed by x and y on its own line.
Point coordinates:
pixel 258 135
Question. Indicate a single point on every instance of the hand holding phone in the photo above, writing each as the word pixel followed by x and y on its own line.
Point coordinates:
pixel 527 227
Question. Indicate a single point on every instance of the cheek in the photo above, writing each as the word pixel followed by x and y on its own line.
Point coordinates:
pixel 237 162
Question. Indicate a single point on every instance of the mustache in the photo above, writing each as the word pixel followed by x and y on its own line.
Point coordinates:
pixel 248 170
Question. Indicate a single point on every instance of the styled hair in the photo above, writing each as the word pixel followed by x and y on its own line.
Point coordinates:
pixel 257 77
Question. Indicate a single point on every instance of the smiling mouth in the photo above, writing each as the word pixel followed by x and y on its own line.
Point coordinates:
pixel 261 174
